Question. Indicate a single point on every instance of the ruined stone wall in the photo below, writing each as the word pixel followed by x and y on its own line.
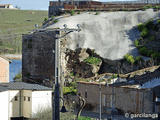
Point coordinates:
pixel 38 57
pixel 127 100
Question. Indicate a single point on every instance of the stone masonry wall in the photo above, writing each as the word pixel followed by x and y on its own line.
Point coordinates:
pixel 127 100
pixel 38 57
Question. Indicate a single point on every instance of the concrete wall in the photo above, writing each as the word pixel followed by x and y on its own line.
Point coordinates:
pixel 13 105
pixel 4 70
pixel 38 57
pixel 4 109
pixel 41 100
pixel 125 99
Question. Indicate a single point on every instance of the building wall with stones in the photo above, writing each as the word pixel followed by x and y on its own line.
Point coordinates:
pixel 125 100
pixel 38 57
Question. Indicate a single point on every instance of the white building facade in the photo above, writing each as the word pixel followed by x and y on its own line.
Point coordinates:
pixel 24 102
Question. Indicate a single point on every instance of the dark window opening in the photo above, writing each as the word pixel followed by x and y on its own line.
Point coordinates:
pixel 30 43
pixel 85 94
pixel 16 98
pixel 24 98
pixel 29 99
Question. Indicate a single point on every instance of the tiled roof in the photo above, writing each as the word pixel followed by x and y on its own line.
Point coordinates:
pixel 3 89
pixel 24 86
pixel 140 79
pixel 5 58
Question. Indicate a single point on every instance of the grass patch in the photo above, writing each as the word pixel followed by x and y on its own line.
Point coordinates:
pixel 84 118
pixel 13 24
pixel 46 114
pixel 93 60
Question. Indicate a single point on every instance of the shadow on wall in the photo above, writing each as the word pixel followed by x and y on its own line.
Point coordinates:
pixel 133 34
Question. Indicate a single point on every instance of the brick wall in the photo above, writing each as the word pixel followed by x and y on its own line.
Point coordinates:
pixel 4 70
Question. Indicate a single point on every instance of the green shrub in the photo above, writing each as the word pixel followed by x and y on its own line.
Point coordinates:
pixel 129 58
pixel 138 58
pixel 114 76
pixel 53 17
pixel 146 52
pixel 136 43
pixel 97 13
pixel 156 7
pixel 141 27
pixel 143 50
pixel 45 19
pixel 78 12
pixel 55 21
pixel 158 21
pixel 93 60
pixel 151 38
pixel 149 24
pixel 71 88
pixel 144 32
pixel 18 77
pixel 149 53
pixel 147 7
pixel 72 12
pixel 155 55
pixel 72 74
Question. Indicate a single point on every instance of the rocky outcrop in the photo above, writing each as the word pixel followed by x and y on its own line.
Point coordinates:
pixel 122 66
pixel 77 66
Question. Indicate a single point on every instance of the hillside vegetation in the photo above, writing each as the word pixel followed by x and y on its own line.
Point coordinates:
pixel 149 42
pixel 14 23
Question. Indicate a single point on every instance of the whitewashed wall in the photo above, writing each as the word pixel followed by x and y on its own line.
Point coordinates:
pixel 4 106
pixel 41 100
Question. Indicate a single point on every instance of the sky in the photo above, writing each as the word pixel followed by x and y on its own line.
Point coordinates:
pixel 30 4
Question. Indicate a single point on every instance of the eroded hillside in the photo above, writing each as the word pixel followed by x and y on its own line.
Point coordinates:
pixel 111 34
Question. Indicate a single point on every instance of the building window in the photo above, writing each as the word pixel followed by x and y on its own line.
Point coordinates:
pixel 24 98
pixel 15 98
pixel 29 99
pixel 85 94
